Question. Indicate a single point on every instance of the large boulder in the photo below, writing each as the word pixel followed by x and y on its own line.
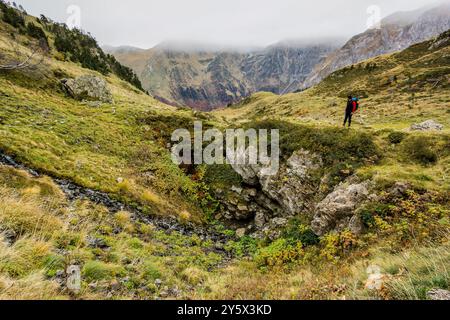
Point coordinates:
pixel 88 88
pixel 292 187
pixel 427 126
pixel 337 210
pixel 295 185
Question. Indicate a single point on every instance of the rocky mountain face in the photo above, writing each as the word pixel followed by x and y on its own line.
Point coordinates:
pixel 206 80
pixel 397 32
pixel 304 186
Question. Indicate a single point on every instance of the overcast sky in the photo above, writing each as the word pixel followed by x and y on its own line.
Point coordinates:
pixel 145 23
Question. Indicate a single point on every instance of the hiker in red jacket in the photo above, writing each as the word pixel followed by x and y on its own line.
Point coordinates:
pixel 352 107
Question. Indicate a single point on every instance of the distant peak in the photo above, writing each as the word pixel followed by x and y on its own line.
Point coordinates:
pixel 121 49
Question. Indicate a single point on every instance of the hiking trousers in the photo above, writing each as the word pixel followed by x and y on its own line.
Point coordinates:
pixel 348 118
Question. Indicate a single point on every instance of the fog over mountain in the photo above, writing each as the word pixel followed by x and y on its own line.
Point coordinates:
pixel 210 54
pixel 237 23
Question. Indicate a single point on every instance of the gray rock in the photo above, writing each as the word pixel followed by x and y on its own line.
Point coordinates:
pixel 260 220
pixel 10 236
pixel 291 191
pixel 93 104
pixel 427 126
pixel 164 292
pixel 439 295
pixel 279 222
pixel 241 232
pixel 294 186
pixel 339 206
pixel 236 189
pixel 243 208
pixel 115 285
pixel 89 88
pixel 399 189
pixel 158 283
pixel 97 243
pixel 355 225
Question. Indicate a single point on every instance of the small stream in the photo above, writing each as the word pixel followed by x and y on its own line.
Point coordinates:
pixel 74 192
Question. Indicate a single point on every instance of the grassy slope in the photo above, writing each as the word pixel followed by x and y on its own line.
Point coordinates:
pixel 93 146
pixel 43 128
pixel 52 233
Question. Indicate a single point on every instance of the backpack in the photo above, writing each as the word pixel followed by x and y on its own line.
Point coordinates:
pixel 355 104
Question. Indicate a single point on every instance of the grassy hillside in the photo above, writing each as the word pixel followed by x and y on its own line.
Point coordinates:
pixel 116 148
pixel 123 258
pixel 396 90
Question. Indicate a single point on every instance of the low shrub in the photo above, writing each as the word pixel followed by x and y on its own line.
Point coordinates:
pixel 13 17
pixel 421 149
pixel 396 137
pixel 279 253
pixel 36 32
pixel 300 232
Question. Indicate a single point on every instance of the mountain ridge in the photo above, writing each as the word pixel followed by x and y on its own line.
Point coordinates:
pixel 207 80
pixel 187 79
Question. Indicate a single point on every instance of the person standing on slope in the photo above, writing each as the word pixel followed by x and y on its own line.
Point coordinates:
pixel 349 111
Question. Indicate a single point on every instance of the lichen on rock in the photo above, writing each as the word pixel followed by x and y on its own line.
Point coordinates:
pixel 88 88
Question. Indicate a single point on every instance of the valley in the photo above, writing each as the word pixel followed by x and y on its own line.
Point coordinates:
pixel 207 78
pixel 87 180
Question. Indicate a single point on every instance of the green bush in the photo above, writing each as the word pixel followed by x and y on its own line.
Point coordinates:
pixel 300 232
pixel 279 253
pixel 343 151
pixel 245 246
pixel 151 272
pixel 396 137
pixel 421 149
pixel 333 144
pixel 81 47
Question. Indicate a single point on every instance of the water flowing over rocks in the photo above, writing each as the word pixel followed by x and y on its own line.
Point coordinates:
pixel 166 223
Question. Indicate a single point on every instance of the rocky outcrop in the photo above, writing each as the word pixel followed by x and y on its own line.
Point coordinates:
pixel 439 295
pixel 337 210
pixel 428 125
pixel 295 186
pixel 88 88
pixel 267 202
